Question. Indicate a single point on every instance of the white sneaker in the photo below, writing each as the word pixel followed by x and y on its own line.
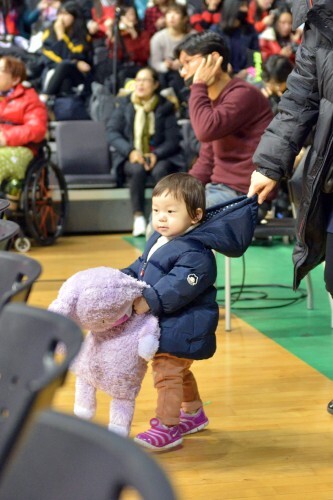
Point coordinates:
pixel 139 226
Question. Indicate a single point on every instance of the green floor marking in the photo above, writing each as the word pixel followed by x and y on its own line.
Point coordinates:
pixel 305 333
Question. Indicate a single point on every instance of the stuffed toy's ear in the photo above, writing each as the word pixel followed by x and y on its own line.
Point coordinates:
pixel 133 288
pixel 65 303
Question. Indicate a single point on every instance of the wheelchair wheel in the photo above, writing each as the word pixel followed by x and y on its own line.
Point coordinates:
pixel 45 201
pixel 22 244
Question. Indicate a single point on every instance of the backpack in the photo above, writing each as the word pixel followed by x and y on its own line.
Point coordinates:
pixel 101 102
pixel 70 107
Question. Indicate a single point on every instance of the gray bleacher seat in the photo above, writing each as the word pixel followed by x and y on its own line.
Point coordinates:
pixel 95 203
pixel 83 154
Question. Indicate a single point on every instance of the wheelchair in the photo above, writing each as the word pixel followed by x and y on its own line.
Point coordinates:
pixel 38 203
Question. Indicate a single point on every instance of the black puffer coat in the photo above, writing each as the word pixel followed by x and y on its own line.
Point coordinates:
pixel 307 102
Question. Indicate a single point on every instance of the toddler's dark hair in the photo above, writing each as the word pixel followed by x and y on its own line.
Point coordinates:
pixel 185 187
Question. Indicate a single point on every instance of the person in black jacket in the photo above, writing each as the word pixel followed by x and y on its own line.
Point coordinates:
pixel 179 265
pixel 145 137
pixel 66 52
pixel 308 102
pixel 239 35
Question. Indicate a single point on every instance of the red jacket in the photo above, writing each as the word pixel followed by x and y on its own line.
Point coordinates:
pixel 137 48
pixel 202 21
pixel 108 12
pixel 269 48
pixel 23 117
pixel 259 25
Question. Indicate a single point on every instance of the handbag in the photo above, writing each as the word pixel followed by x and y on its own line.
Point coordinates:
pixel 71 107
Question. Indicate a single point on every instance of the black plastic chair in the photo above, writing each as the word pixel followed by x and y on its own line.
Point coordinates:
pixel 31 368
pixel 8 230
pixel 269 228
pixel 17 276
pixel 65 457
pixel 4 204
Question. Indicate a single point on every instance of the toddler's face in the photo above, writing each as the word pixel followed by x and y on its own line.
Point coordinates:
pixel 170 216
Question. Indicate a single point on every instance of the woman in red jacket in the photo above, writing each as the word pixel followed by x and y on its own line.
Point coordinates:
pixel 23 120
pixel 280 39
pixel 260 14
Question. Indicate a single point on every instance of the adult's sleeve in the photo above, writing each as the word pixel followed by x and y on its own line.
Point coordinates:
pixel 211 123
pixel 115 127
pixel 298 112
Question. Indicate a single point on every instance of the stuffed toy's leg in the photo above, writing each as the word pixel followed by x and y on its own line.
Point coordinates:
pixel 85 399
pixel 121 415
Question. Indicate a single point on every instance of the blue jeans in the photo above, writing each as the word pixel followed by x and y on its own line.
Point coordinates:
pixel 219 193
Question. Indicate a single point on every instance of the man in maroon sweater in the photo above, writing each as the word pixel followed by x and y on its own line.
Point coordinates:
pixel 228 116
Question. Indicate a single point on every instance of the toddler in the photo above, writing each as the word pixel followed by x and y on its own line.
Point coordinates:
pixel 179 265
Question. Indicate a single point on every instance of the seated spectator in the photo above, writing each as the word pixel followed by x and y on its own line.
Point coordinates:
pixel 207 15
pixel 162 46
pixel 240 37
pixel 11 18
pixel 13 36
pixel 144 133
pixel 38 20
pixel 43 15
pixel 132 45
pixel 154 19
pixel 66 52
pixel 280 38
pixel 260 14
pixel 228 116
pixel 99 23
pixel 274 79
pixel 23 120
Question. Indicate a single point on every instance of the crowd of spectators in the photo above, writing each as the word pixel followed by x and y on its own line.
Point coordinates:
pixel 68 45
pixel 85 36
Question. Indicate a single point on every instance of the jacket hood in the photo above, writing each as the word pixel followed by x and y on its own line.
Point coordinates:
pixel 228 228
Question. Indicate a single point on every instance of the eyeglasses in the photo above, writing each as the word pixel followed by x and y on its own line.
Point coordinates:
pixel 143 80
pixel 189 62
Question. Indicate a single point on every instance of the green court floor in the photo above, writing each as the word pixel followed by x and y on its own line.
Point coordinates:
pixel 268 303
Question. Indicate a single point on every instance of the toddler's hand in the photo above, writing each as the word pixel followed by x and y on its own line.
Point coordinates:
pixel 140 305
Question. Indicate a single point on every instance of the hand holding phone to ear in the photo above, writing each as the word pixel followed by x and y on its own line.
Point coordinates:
pixel 207 69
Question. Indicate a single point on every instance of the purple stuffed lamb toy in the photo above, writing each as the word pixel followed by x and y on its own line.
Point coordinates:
pixel 119 342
